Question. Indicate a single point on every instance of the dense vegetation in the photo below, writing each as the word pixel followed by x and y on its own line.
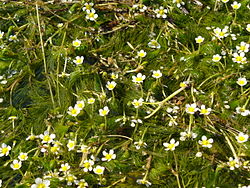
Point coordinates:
pixel 124 94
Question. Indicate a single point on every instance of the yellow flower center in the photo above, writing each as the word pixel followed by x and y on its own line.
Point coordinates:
pixel 216 58
pixel 205 142
pixel 99 171
pixel 71 144
pixel 232 163
pixel 64 168
pixel 23 156
pixel 241 82
pixel 79 61
pixel 108 156
pixel 5 150
pixel 73 111
pixel 53 149
pixel 88 7
pixel 243 48
pixel 111 86
pixel 239 58
pixel 191 109
pixel 171 146
pixel 221 34
pixel 204 111
pixel 161 12
pixel 76 43
pixel 70 178
pixel 41 185
pixel 199 40
pixel 104 112
pixel 16 166
pixel 46 138
pixel 138 79
pixel 87 165
pixel 91 15
pixel 156 74
pixel 241 138
pixel 80 105
pixel 183 85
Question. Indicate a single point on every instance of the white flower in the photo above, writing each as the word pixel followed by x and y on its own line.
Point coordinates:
pixel 91 101
pixel 191 109
pixel 141 53
pixel 70 179
pixel 1 34
pixel 59 25
pixel 41 183
pixel 63 74
pixel 204 142
pixel 157 74
pixel 1 100
pixel 236 5
pixel 199 39
pixel 104 111
pixel 244 47
pixel 241 137
pixel 81 183
pixel 138 78
pixel 161 12
pixel 87 164
pixel 78 60
pixel 141 7
pixel 108 156
pixel 242 111
pixel 248 27
pixel 64 167
pixel 114 76
pixel 99 169
pixel 171 146
pixel 184 84
pixel 12 118
pixel 88 7
pixel 204 110
pixel 77 43
pixel 71 145
pixel 242 81
pixel 135 121
pixel 187 135
pixel 239 58
pixel 144 182
pixel 224 1
pixel 179 3
pixel 198 154
pixel 46 137
pixel 220 34
pixel 233 163
pixel 23 156
pixel 80 105
pixel 154 44
pixel 91 15
pixel 73 111
pixel 140 144
pixel 138 103
pixel 111 85
pixel 216 58
pixel 13 38
pixel 16 165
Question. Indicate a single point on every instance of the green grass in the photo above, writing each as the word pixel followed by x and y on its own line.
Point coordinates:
pixel 39 96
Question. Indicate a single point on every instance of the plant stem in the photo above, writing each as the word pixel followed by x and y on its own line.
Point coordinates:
pixel 164 101
pixel 191 119
pixel 44 59
pixel 176 169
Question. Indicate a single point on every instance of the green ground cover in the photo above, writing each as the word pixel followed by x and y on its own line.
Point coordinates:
pixel 124 94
